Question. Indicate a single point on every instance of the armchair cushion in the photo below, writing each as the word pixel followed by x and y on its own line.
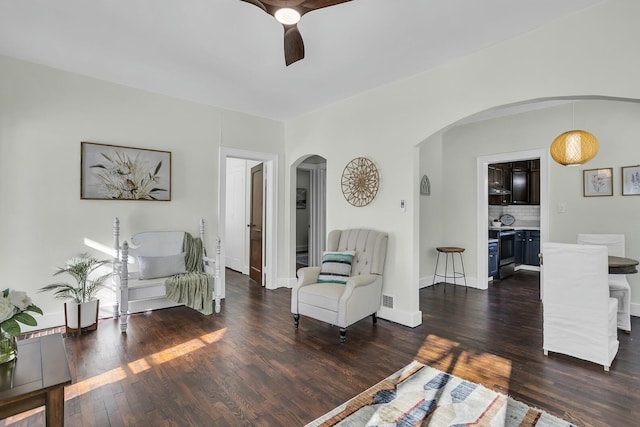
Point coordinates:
pixel 336 267
pixel 325 295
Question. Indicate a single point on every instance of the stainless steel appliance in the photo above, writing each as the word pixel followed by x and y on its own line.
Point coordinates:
pixel 506 250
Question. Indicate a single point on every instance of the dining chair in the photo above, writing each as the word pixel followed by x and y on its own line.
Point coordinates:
pixel 619 287
pixel 579 316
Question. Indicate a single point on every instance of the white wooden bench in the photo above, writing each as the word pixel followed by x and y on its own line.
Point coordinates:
pixel 135 294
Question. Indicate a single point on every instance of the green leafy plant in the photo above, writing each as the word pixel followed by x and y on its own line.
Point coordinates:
pixel 13 311
pixel 81 268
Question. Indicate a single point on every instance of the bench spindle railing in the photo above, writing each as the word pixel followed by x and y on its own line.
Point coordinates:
pixel 124 288
pixel 120 279
pixel 116 266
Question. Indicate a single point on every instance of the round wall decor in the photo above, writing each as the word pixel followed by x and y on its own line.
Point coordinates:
pixel 360 181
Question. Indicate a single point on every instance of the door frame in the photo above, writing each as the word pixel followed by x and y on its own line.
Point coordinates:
pixel 483 204
pixel 270 237
pixel 318 211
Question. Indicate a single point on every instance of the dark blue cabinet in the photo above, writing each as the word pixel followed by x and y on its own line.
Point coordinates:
pixel 493 259
pixel 532 248
pixel 527 247
pixel 520 246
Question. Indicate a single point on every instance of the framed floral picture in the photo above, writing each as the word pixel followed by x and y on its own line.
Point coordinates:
pixel 631 180
pixel 597 182
pixel 113 172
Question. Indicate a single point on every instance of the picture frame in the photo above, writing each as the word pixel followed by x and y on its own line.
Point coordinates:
pixel 116 172
pixel 597 182
pixel 301 198
pixel 631 180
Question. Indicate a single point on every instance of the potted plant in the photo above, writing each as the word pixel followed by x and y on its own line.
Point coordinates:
pixel 82 312
pixel 14 306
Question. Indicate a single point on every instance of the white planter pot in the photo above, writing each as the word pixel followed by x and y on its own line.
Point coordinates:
pixel 88 315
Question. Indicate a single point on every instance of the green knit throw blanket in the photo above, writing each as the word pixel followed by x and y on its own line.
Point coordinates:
pixel 195 287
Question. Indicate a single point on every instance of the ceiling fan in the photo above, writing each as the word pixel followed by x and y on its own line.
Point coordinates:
pixel 288 13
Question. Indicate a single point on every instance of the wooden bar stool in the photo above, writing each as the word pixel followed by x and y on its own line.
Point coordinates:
pixel 449 252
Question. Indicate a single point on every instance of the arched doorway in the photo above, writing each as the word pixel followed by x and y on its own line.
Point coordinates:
pixel 310 210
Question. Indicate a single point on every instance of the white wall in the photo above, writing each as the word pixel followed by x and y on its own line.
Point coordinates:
pixel 565 58
pixel 45 113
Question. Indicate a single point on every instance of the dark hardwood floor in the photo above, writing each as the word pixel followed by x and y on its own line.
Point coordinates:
pixel 247 366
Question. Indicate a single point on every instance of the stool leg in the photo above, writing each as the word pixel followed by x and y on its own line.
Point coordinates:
pixel 433 285
pixel 464 276
pixel 446 267
pixel 453 262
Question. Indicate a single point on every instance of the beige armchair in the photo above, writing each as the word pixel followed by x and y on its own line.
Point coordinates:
pixel 319 295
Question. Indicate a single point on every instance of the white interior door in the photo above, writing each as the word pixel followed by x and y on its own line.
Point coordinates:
pixel 235 227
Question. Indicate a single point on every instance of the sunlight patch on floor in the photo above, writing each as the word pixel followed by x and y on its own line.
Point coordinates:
pixel 23 416
pixel 142 364
pixel 449 356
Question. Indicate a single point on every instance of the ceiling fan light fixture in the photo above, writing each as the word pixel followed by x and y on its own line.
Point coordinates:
pixel 287 16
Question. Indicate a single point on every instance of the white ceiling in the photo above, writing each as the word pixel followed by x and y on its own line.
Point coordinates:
pixel 229 53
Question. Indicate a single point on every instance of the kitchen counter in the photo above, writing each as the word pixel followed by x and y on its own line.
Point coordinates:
pixel 526 225
pixel 519 225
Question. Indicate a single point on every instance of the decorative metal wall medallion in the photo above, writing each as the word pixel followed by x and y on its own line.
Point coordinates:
pixel 425 186
pixel 360 180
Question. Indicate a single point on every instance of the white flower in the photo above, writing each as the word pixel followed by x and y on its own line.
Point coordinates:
pixel 19 299
pixel 7 309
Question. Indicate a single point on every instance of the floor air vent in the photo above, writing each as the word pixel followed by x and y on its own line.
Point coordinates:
pixel 387 301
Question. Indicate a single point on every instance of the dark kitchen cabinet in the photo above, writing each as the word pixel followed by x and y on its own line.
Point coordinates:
pixel 534 182
pixel 499 177
pixel 520 179
pixel 520 187
pixel 520 246
pixel 493 259
pixel 527 247
pixel 532 248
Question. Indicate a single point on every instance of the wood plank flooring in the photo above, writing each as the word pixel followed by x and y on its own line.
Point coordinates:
pixel 248 366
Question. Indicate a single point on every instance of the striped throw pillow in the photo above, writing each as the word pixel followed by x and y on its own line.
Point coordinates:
pixel 336 267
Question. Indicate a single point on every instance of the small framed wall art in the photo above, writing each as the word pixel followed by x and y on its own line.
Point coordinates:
pixel 631 180
pixel 597 182
pixel 301 198
pixel 113 172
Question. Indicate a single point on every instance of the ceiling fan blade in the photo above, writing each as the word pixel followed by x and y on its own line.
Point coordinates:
pixel 319 4
pixel 293 44
pixel 257 3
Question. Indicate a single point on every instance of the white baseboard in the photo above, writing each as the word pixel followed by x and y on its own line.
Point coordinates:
pixel 527 267
pixel 472 282
pixel 406 318
pixel 635 309
pixel 55 320
pixel 285 282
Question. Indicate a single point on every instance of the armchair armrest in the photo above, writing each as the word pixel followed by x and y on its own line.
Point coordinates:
pixel 362 295
pixel 307 276
pixel 357 282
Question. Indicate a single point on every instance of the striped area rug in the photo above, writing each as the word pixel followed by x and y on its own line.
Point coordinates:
pixel 418 395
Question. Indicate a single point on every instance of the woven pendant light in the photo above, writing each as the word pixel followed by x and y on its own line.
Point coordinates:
pixel 574 147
